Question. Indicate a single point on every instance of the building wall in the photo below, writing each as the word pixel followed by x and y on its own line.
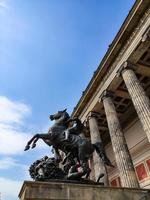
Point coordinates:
pixel 140 152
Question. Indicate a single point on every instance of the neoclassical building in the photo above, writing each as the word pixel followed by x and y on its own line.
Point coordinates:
pixel 116 107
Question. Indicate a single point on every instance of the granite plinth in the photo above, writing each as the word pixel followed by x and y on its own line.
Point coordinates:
pixel 73 191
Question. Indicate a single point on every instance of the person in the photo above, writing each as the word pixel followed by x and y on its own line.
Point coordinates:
pixel 77 129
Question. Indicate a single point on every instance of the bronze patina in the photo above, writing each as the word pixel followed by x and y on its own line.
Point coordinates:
pixel 77 149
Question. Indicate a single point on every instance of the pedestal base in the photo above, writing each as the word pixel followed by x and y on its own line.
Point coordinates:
pixel 73 191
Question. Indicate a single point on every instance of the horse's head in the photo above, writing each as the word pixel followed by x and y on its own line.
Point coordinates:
pixel 60 115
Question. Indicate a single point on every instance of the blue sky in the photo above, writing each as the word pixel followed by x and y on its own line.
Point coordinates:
pixel 48 53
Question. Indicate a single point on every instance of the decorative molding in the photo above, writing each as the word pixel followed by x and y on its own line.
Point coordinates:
pixel 133 36
pixel 146 36
pixel 125 66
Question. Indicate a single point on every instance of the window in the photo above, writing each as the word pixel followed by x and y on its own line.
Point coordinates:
pixel 116 182
pixel 141 171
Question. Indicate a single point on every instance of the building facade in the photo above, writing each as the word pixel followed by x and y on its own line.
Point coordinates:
pixel 116 107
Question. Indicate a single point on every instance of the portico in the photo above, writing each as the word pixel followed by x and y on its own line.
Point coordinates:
pixel 116 102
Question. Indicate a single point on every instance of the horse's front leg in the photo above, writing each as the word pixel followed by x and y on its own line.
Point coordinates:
pixel 30 141
pixel 34 143
pixel 35 139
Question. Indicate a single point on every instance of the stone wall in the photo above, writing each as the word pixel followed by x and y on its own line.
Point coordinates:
pixel 71 191
pixel 139 149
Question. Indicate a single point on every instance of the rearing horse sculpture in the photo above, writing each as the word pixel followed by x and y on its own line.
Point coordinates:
pixel 76 145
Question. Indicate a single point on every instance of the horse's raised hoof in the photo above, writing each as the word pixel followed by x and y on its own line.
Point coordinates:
pixel 27 148
pixel 33 146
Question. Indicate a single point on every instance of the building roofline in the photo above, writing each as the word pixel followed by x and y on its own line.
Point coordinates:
pixel 135 14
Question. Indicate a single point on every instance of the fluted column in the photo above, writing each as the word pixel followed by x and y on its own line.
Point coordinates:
pixel 99 166
pixel 120 148
pixel 139 98
pixel 91 165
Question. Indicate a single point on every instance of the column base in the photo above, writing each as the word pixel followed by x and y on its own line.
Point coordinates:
pixel 72 191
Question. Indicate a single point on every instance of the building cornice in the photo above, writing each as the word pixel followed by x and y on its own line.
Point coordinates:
pixel 130 23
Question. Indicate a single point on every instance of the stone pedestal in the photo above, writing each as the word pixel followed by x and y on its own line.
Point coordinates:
pixel 71 191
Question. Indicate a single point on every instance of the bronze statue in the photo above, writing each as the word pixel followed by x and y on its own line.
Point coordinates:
pixel 67 139
pixel 47 169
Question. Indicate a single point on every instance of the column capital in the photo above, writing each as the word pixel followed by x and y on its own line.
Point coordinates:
pixel 146 35
pixel 92 114
pixel 106 94
pixel 125 66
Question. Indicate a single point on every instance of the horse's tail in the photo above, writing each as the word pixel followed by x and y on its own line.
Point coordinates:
pixel 102 154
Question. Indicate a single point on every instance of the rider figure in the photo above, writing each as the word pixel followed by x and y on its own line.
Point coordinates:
pixel 76 129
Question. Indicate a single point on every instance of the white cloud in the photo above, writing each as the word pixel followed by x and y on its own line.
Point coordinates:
pixel 12 112
pixel 11 165
pixel 12 141
pixel 3 4
pixel 9 188
pixel 8 162
pixel 12 117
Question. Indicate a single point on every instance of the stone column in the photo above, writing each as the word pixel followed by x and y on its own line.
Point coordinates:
pixel 95 137
pixel 139 98
pixel 91 165
pixel 120 148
